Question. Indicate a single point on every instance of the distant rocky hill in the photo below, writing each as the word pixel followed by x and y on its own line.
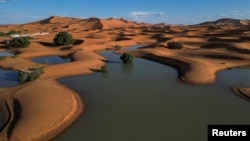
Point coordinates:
pixel 225 21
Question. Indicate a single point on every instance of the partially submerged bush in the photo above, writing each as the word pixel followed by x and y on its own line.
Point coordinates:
pixel 30 75
pixel 127 58
pixel 175 45
pixel 63 38
pixel 20 42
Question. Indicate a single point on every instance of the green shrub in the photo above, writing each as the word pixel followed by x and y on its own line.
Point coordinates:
pixel 8 33
pixel 20 42
pixel 175 45
pixel 127 58
pixel 34 74
pixel 23 77
pixel 12 32
pixel 63 38
pixel 3 34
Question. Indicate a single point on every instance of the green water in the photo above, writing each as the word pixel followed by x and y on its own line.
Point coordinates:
pixel 146 102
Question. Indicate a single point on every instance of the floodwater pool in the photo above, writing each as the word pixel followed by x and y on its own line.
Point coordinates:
pixel 145 101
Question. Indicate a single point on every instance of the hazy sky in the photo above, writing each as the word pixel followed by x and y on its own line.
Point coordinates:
pixel 152 11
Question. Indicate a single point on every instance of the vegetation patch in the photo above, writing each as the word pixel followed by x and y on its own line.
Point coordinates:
pixel 175 45
pixel 17 110
pixel 3 34
pixel 20 42
pixel 8 33
pixel 30 74
pixel 63 38
pixel 127 58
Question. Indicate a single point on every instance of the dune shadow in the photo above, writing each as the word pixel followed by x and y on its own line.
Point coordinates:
pixel 224 40
pixel 149 46
pixel 214 56
pixel 17 110
pixel 47 44
pixel 78 42
pixel 226 46
pixel 8 118
pixel 122 38
pixel 111 61
pixel 66 48
pixel 104 60
pixel 95 70
pixel 2 46
pixel 160 38
pixel 245 38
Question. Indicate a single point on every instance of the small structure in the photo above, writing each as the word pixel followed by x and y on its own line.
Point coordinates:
pixel 26 70
pixel 29 35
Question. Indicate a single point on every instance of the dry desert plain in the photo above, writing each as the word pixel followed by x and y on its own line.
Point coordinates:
pixel 208 48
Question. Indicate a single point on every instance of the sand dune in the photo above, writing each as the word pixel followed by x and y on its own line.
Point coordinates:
pixel 208 48
pixel 117 23
pixel 34 102
pixel 242 91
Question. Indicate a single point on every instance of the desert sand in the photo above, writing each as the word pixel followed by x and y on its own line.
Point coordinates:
pixel 208 48
pixel 38 110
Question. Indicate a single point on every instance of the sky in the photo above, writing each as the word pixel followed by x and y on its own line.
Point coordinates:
pixel 150 11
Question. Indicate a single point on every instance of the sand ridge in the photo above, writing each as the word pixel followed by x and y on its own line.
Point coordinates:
pixel 207 50
pixel 38 100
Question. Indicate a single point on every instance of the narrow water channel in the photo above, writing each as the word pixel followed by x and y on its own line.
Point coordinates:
pixel 146 102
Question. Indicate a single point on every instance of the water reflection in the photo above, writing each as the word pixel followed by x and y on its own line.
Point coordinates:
pixel 105 75
pixel 127 68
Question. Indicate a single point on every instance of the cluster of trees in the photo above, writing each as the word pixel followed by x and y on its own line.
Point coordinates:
pixel 32 74
pixel 62 38
pixel 20 42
